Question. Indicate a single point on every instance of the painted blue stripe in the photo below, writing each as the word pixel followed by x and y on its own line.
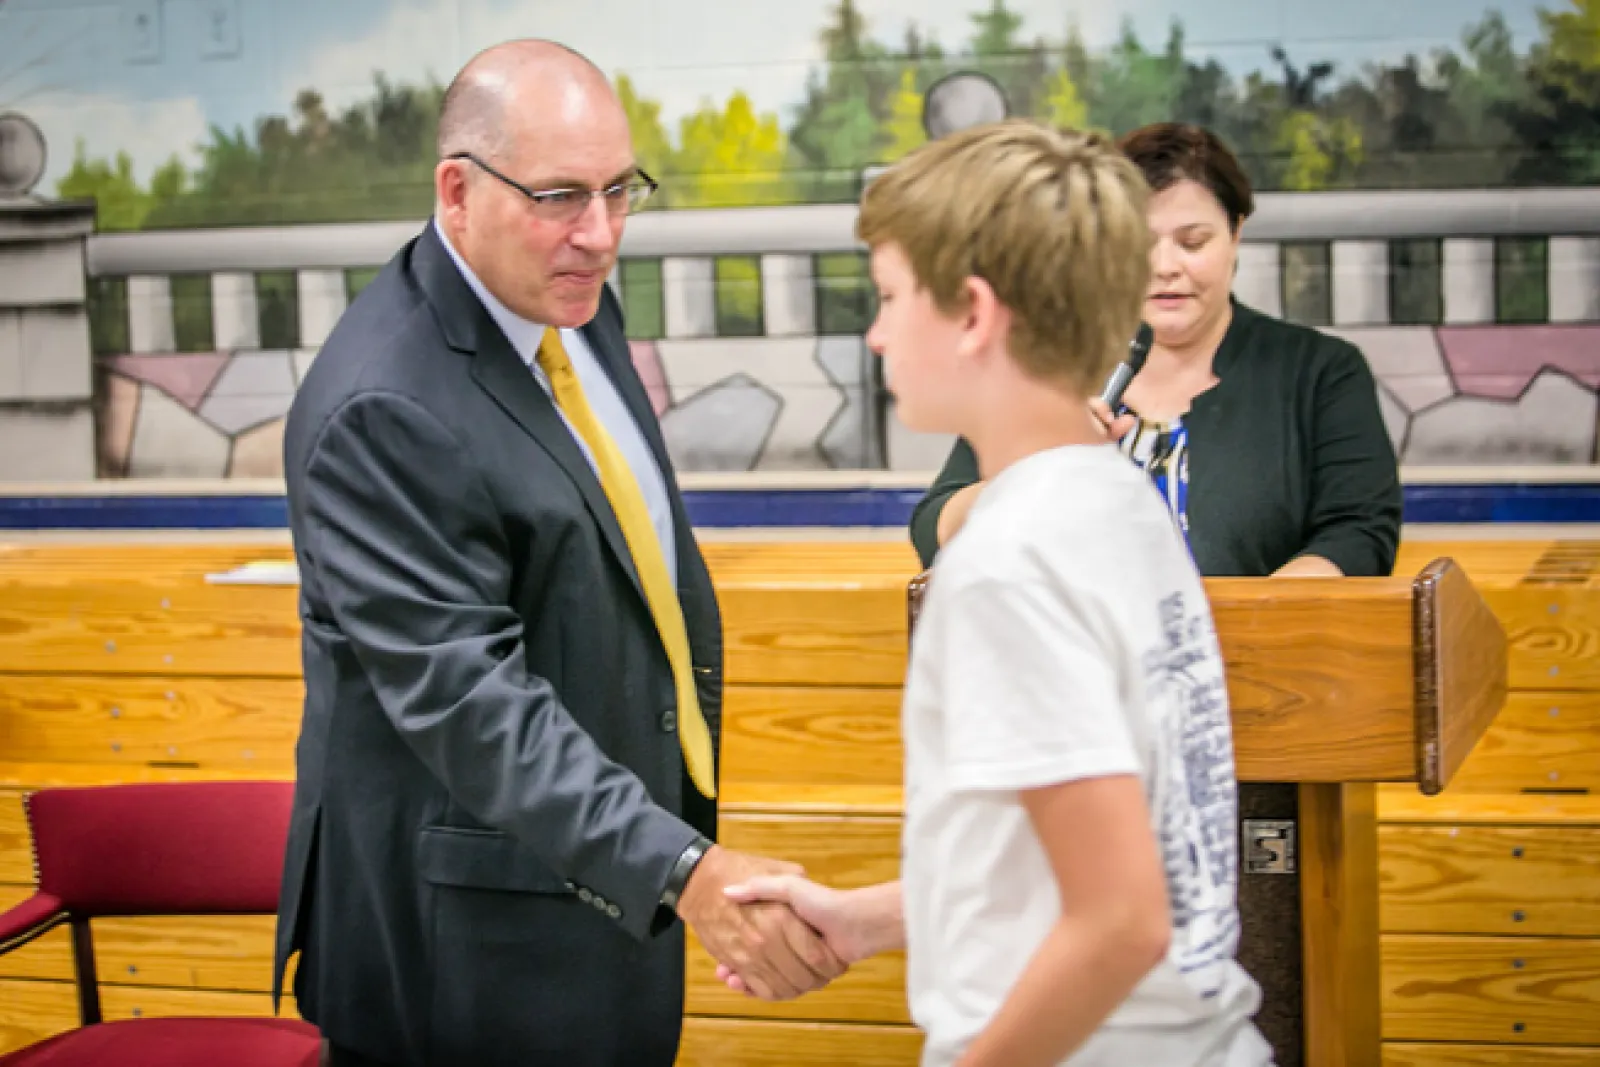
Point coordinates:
pixel 1488 502
pixel 727 508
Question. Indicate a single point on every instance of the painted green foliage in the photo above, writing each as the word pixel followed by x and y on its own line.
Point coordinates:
pixel 1478 114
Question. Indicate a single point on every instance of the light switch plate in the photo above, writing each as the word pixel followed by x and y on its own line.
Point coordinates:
pixel 219 29
pixel 141 31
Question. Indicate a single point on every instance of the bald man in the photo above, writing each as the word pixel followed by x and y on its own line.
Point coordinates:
pixel 512 649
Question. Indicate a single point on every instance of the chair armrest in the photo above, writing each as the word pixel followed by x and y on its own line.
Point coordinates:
pixel 34 916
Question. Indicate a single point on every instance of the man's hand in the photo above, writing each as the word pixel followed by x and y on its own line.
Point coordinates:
pixel 856 923
pixel 776 954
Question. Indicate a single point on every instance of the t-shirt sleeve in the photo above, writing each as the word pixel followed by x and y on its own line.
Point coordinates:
pixel 1031 687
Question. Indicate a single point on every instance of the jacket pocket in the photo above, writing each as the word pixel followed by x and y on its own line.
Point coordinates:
pixel 483 859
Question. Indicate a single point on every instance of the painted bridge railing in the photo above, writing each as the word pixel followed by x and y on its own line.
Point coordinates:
pixel 1479 312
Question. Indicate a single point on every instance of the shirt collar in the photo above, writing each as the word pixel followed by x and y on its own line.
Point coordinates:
pixel 524 334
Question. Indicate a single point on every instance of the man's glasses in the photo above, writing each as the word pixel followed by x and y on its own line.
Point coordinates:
pixel 567 205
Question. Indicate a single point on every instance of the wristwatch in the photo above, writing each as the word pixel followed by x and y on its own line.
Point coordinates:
pixel 681 870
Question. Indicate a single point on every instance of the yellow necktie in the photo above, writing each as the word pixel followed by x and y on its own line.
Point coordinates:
pixel 627 502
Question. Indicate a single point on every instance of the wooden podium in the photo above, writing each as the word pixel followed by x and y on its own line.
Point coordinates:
pixel 1335 685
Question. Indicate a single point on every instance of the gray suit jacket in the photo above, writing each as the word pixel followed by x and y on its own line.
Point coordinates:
pixel 490 789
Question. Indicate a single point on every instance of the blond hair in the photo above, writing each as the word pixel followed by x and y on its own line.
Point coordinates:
pixel 1054 222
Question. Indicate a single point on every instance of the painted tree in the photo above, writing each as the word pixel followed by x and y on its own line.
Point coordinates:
pixel 730 156
pixel 1320 153
pixel 1061 104
pixel 1133 85
pixel 373 160
pixel 995 31
pixel 1573 38
pixel 1559 124
pixel 999 50
pixel 903 131
pixel 838 127
pixel 652 149
pixel 120 202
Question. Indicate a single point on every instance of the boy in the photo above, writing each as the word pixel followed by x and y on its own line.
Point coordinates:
pixel 1069 864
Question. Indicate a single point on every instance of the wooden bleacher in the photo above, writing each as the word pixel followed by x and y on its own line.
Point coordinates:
pixel 119 662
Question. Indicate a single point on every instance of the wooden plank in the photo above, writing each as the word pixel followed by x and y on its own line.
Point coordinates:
pixel 1553 634
pixel 803 636
pixel 16 850
pixel 823 735
pixel 1319 678
pixel 1489 880
pixel 213 952
pixel 844 851
pixel 1505 561
pixel 146 623
pixel 800 798
pixel 886 564
pixel 804 613
pixel 114 557
pixel 1549 625
pixel 1460 658
pixel 1540 741
pixel 1501 561
pixel 31 1011
pixel 1429 1054
pixel 1535 991
pixel 22 776
pixel 1339 925
pixel 873 991
pixel 828 736
pixel 795 615
pixel 819 735
pixel 1551 613
pixel 762 1043
pixel 1403 804
pixel 239 723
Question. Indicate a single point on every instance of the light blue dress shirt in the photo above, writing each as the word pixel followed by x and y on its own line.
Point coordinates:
pixel 602 395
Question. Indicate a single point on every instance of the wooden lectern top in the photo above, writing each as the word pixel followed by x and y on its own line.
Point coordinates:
pixel 1354 679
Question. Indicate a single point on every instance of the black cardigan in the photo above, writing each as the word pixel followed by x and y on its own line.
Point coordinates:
pixel 1288 456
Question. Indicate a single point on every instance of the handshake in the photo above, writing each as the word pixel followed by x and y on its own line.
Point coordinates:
pixel 776 935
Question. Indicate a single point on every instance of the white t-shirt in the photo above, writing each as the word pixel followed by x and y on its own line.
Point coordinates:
pixel 1066 635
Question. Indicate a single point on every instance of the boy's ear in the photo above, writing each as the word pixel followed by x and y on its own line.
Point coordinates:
pixel 986 320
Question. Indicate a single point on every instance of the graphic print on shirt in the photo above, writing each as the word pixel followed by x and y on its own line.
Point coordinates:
pixel 1196 798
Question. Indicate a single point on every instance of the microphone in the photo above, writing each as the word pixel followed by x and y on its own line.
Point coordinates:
pixel 1138 349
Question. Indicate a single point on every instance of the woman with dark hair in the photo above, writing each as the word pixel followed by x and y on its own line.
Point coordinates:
pixel 1265 437
pixel 1266 440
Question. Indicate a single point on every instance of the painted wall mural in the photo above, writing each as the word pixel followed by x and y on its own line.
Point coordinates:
pixel 191 115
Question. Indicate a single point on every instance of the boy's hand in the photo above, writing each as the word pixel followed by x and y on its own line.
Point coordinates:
pixel 1116 427
pixel 778 953
pixel 828 911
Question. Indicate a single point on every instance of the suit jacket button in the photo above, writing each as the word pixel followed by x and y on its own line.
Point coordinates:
pixel 669 721
pixel 599 902
pixel 586 894
pixel 613 911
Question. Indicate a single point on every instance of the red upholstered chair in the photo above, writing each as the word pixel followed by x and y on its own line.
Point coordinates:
pixel 189 848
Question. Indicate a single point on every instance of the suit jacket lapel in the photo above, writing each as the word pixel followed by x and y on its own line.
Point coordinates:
pixel 500 372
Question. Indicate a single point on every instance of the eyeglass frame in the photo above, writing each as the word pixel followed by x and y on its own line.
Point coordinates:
pixel 538 197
